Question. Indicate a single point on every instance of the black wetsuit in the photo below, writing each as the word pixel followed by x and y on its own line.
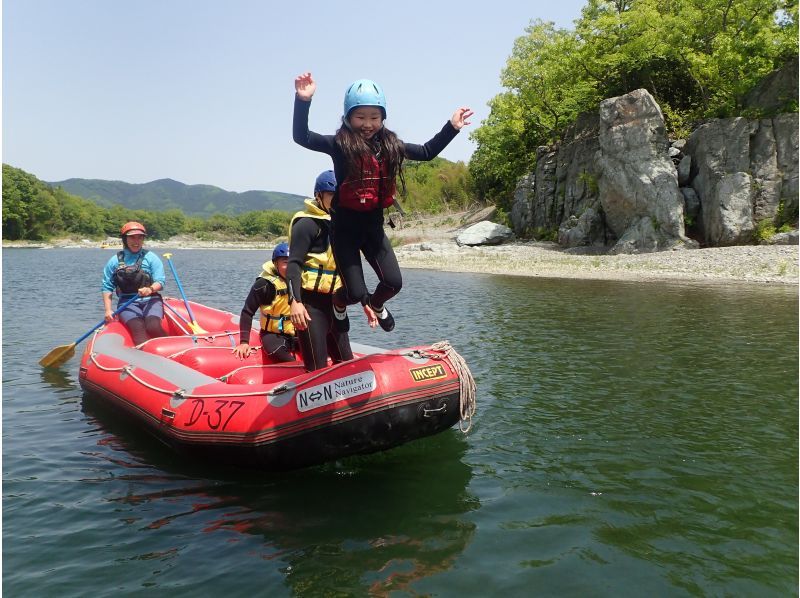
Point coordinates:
pixel 278 346
pixel 354 232
pixel 321 339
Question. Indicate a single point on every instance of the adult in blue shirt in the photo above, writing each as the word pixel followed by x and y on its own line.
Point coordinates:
pixel 135 271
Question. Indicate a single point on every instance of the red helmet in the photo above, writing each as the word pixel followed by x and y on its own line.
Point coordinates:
pixel 132 228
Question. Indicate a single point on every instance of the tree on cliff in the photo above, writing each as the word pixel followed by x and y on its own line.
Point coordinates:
pixel 698 58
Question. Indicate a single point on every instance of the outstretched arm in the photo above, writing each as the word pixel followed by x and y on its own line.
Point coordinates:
pixel 305 87
pixel 434 147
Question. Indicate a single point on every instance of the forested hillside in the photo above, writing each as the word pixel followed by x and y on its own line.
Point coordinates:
pixel 698 59
pixel 430 187
pixel 33 210
pixel 166 194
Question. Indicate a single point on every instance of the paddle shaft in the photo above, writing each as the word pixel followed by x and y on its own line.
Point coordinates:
pixel 177 313
pixel 60 354
pixel 103 321
pixel 180 287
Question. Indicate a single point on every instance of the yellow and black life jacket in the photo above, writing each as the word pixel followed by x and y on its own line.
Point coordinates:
pixel 275 316
pixel 319 269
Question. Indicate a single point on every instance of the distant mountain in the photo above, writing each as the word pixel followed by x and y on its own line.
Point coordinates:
pixel 166 194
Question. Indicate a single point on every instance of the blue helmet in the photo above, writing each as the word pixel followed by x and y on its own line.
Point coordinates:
pixel 326 181
pixel 281 250
pixel 364 92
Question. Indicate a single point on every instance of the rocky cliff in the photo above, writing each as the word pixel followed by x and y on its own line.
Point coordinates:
pixel 616 184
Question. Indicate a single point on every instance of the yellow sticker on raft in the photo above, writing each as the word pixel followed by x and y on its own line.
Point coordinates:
pixel 431 372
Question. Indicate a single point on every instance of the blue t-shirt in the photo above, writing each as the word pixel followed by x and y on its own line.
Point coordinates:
pixel 150 264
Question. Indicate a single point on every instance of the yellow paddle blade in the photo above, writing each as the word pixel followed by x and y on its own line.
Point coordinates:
pixel 196 328
pixel 58 356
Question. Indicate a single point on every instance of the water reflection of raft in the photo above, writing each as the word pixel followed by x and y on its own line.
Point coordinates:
pixel 192 393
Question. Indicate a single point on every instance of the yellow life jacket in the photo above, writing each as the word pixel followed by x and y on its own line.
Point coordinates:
pixel 319 269
pixel 275 316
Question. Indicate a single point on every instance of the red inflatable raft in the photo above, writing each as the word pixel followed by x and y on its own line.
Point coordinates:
pixel 195 395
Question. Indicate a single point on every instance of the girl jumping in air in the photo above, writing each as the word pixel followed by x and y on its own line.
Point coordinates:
pixel 367 160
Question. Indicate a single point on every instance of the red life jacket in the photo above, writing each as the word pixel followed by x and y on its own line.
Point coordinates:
pixel 371 190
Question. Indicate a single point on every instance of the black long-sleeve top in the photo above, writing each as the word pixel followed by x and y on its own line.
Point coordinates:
pixel 261 293
pixel 309 235
pixel 327 143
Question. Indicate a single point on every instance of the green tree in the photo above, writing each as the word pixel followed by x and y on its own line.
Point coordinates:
pixel 221 223
pixel 698 58
pixel 436 186
pixel 80 216
pixel 18 188
pixel 263 224
pixel 163 225
pixel 30 210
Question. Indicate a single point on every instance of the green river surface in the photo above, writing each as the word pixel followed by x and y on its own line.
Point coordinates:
pixel 630 439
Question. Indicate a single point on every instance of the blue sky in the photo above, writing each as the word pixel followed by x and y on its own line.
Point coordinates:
pixel 201 91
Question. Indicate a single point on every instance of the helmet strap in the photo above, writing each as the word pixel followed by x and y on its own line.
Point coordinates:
pixel 320 203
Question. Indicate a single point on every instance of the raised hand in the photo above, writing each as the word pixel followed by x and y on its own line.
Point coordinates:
pixel 305 86
pixel 460 116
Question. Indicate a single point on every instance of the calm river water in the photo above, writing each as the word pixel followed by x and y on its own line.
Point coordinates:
pixel 631 439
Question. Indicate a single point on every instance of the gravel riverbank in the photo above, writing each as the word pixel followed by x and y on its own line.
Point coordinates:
pixel 755 264
pixel 431 245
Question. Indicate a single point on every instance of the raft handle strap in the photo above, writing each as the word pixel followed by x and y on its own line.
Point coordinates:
pixel 427 412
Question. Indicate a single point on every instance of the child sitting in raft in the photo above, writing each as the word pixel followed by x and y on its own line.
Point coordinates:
pixel 270 295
